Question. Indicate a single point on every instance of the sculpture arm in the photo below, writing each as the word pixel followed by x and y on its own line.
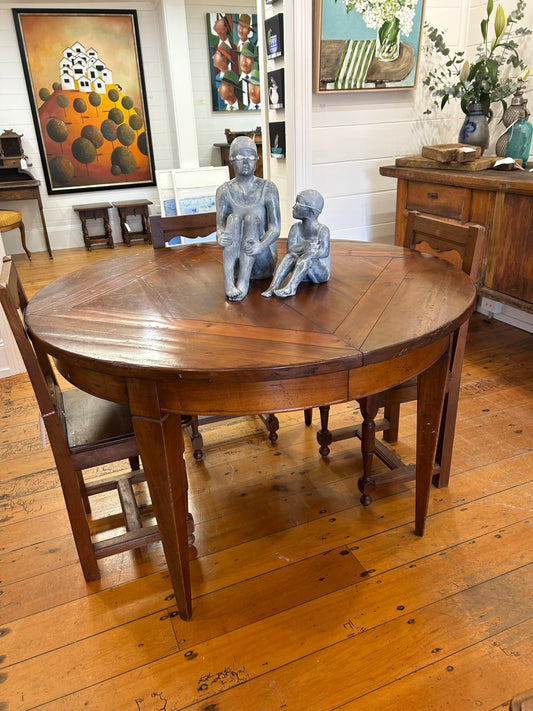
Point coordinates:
pixel 273 215
pixel 223 210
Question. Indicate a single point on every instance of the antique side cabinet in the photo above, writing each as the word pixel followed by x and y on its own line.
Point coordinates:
pixel 500 200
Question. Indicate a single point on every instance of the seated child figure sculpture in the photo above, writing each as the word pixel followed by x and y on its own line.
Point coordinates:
pixel 248 222
pixel 308 255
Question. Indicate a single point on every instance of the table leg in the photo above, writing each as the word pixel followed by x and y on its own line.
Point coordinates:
pixel 39 201
pixel 160 440
pixel 431 389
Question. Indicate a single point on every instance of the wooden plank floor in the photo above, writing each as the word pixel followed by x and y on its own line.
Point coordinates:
pixel 303 600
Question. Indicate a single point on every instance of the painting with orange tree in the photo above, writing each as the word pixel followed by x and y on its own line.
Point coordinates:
pixel 84 76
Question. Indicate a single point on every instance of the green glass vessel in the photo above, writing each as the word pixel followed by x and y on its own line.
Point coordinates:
pixel 519 142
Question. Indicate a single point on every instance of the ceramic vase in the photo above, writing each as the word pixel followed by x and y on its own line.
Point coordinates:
pixel 475 128
pixel 388 41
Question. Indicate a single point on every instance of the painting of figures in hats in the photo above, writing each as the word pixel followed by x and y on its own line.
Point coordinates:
pixel 233 62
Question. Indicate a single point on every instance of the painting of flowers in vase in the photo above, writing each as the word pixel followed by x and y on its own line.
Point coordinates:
pixel 366 44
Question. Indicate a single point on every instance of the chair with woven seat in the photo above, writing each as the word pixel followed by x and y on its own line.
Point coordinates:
pixel 84 432
pixel 12 220
pixel 462 245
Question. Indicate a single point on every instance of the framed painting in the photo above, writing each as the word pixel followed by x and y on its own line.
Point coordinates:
pixel 85 82
pixel 233 61
pixel 274 36
pixel 366 44
pixel 276 89
pixel 278 145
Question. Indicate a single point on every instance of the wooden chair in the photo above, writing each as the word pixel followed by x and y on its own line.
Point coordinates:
pixel 12 220
pixel 84 432
pixel 460 244
pixel 192 226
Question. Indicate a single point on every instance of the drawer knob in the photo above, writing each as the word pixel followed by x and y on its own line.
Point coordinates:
pixel 433 196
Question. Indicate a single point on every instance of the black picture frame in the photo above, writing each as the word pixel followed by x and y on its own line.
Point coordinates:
pixel 278 144
pixel 276 89
pixel 274 36
pixel 85 82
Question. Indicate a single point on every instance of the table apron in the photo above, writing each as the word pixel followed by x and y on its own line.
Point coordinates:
pixel 234 395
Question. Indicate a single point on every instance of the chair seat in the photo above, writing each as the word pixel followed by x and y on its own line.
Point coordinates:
pixel 9 218
pixel 91 421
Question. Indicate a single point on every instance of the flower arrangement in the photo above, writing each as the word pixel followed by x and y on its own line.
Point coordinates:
pixel 376 13
pixel 484 81
pixel 389 18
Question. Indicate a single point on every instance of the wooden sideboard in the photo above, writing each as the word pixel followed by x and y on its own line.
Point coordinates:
pixel 502 201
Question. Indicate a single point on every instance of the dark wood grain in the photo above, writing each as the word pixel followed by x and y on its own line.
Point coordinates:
pixel 500 201
pixel 157 331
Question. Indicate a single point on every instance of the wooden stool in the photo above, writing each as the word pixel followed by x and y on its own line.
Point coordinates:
pixel 11 220
pixel 129 208
pixel 98 211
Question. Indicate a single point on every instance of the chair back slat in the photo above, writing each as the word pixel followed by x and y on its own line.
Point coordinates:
pixel 38 366
pixel 199 224
pixel 461 244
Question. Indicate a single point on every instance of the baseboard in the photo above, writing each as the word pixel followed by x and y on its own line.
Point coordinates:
pixel 507 314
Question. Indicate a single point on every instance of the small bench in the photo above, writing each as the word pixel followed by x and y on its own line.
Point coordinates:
pixel 129 208
pixel 96 211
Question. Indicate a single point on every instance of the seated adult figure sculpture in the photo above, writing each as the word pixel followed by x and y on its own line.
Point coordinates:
pixel 248 222
pixel 308 255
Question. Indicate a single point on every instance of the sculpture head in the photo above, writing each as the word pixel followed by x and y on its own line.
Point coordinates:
pixel 243 155
pixel 308 200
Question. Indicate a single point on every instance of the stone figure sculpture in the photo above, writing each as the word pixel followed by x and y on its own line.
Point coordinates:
pixel 248 221
pixel 308 256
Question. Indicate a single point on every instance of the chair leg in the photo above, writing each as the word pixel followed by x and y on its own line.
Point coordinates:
pixel 272 425
pixel 75 503
pixel 308 416
pixel 323 435
pixel 443 457
pixel 135 463
pixel 369 409
pixel 23 238
pixel 197 441
pixel 83 492
pixel 392 415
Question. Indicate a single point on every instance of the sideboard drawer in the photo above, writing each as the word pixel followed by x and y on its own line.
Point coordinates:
pixel 434 199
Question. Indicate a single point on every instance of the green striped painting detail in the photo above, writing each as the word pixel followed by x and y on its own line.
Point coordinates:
pixel 354 64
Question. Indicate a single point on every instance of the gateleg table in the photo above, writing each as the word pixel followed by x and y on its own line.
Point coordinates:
pixel 155 332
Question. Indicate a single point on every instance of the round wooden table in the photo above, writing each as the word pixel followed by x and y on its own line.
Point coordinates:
pixel 156 332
